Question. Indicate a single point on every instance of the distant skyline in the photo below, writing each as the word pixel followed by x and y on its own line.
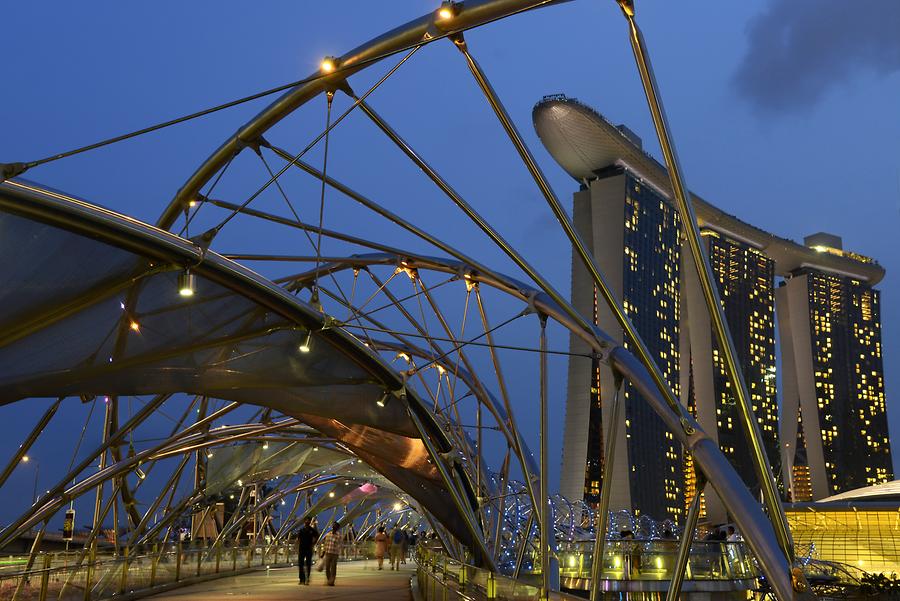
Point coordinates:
pixel 784 114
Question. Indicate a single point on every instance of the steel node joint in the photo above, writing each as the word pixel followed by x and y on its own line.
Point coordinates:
pixel 627 7
pixel 460 42
pixel 11 170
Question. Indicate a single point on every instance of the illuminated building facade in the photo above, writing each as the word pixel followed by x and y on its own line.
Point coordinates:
pixel 828 321
pixel 834 372
pixel 633 234
pixel 746 282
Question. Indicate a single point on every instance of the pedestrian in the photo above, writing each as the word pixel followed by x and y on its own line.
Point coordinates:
pixel 404 547
pixel 396 548
pixel 381 546
pixel 306 540
pixel 331 550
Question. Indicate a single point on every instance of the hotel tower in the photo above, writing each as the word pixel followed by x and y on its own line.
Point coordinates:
pixel 821 297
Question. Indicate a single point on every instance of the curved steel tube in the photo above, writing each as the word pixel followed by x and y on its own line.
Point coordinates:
pixel 417 32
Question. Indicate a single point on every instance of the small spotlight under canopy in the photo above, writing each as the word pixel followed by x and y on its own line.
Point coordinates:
pixel 187 284
pixel 305 346
pixel 383 399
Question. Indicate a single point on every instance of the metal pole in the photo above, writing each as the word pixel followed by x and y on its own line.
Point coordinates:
pixel 98 501
pixel 546 527
pixel 707 285
pixel 26 445
pixel 684 547
pixel 35 547
pixel 605 491
pixel 45 578
pixel 520 555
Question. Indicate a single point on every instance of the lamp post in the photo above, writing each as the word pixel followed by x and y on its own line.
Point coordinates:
pixel 37 470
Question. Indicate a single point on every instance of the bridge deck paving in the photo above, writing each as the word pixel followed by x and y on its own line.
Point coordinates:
pixel 355 580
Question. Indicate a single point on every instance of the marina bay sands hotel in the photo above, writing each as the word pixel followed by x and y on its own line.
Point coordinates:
pixel 831 432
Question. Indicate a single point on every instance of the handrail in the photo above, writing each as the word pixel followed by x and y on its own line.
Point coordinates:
pixel 57 575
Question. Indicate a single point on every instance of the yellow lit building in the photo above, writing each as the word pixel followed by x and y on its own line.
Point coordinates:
pixel 859 528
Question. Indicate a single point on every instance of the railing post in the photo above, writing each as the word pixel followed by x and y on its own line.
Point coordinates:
pixel 444 578
pixel 234 559
pixel 178 562
pixel 249 555
pixel 199 559
pixel 154 562
pixel 89 575
pixel 491 586
pixel 123 581
pixel 45 578
pixel 218 555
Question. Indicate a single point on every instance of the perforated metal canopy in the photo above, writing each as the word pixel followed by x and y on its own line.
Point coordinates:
pixel 92 307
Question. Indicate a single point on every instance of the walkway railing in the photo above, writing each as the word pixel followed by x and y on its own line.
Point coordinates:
pixel 655 559
pixel 61 576
pixel 440 578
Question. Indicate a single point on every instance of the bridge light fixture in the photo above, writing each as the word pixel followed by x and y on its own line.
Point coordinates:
pixel 186 284
pixel 328 65
pixel 25 458
pixel 382 401
pixel 135 326
pixel 447 11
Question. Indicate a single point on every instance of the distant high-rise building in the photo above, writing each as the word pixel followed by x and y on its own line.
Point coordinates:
pixel 633 233
pixel 828 323
pixel 833 369
pixel 746 283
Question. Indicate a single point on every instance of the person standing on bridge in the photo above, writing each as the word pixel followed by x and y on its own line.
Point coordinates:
pixel 381 546
pixel 396 547
pixel 331 550
pixel 306 540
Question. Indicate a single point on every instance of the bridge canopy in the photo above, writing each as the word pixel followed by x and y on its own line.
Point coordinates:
pixel 95 305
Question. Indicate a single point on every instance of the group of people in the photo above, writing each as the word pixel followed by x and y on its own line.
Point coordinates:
pixel 329 551
pixel 396 546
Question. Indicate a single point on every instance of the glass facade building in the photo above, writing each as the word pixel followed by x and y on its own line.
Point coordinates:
pixel 824 431
pixel 746 281
pixel 638 248
pixel 651 299
pixel 845 329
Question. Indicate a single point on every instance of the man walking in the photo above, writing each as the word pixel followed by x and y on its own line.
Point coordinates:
pixel 306 539
pixel 331 548
pixel 396 547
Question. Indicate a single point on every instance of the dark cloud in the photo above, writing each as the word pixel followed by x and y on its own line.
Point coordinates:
pixel 799 49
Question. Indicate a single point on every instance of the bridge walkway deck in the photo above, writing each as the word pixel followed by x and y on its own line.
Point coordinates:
pixel 355 580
